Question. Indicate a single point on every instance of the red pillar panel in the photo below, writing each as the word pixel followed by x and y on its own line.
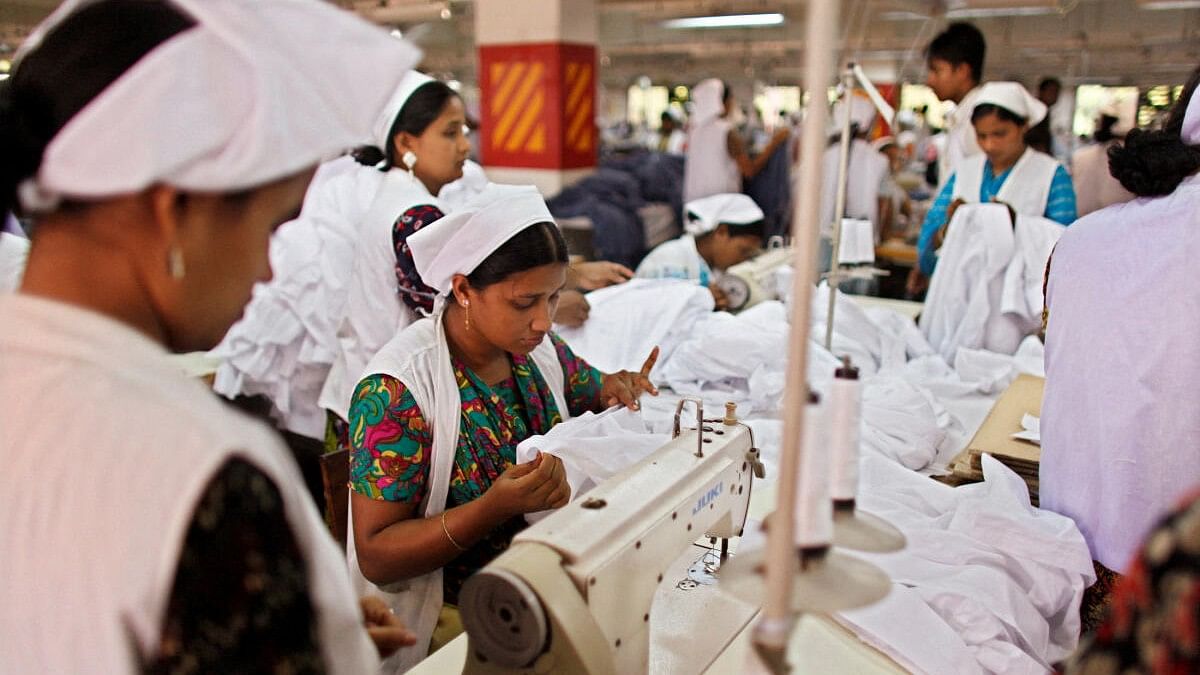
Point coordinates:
pixel 538 105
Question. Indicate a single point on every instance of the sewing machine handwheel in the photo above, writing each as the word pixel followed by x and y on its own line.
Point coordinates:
pixel 861 531
pixel 737 291
pixel 503 618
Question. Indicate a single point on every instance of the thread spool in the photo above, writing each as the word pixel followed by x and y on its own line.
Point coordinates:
pixel 814 510
pixel 845 433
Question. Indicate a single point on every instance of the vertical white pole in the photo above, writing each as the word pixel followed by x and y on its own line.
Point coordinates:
pixel 772 633
pixel 839 210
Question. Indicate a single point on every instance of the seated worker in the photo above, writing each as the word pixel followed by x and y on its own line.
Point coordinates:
pixel 1008 171
pixel 436 419
pixel 1120 414
pixel 721 231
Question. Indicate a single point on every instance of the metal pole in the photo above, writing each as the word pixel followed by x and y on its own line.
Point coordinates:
pixel 772 632
pixel 839 210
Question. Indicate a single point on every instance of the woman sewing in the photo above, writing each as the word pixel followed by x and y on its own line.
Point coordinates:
pixel 1008 171
pixel 180 537
pixel 435 425
pixel 721 231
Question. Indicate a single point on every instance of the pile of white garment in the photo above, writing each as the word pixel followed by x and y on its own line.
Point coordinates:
pixel 593 448
pixel 284 344
pixel 986 584
pixel 628 320
pixel 987 290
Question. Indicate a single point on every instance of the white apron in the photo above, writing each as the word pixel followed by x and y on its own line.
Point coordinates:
pixel 419 357
pixel 708 169
pixel 107 448
pixel 1121 412
pixel 1026 189
pixel 374 312
pixel 865 169
pixel 676 259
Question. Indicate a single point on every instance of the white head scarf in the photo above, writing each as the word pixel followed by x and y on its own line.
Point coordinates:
pixel 461 241
pixel 380 131
pixel 705 215
pixel 862 113
pixel 1012 97
pixel 709 100
pixel 1191 121
pixel 255 91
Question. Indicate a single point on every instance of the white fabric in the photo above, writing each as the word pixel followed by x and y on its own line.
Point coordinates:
pixel 675 259
pixel 857 243
pixel 628 320
pixel 1190 132
pixel 708 169
pixel 1026 189
pixel 250 109
pixel 108 547
pixel 286 341
pixel 1095 187
pixel 373 312
pixel 986 292
pixel 1120 420
pixel 593 448
pixel 865 170
pixel 459 242
pixel 381 128
pixel 1013 97
pixel 707 213
pixel 960 141
pixel 14 251
pixel 419 357
pixel 1007 578
pixel 462 191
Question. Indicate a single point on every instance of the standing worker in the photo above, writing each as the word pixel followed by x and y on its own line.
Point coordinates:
pixel 716 159
pixel 955 61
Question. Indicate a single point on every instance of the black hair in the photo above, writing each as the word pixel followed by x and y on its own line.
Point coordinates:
pixel 1049 82
pixel 1104 130
pixel 537 245
pixel 75 61
pixel 959 43
pixel 725 91
pixel 1154 162
pixel 423 106
pixel 984 109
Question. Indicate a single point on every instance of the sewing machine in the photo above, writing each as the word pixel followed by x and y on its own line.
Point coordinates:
pixel 749 283
pixel 573 592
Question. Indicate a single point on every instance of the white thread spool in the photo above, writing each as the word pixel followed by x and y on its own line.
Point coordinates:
pixel 814 510
pixel 845 416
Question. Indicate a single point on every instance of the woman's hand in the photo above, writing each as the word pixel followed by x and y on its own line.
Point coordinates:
pixel 530 487
pixel 572 310
pixel 588 276
pixel 385 629
pixel 625 387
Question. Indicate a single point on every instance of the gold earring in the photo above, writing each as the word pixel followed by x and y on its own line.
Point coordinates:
pixel 467 307
pixel 175 264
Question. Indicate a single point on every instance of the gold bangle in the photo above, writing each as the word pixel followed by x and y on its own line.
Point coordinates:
pixel 448 536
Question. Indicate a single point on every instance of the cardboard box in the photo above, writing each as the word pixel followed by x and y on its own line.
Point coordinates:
pixel 1023 396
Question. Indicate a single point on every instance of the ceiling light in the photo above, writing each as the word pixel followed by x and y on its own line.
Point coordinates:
pixel 726 21
pixel 1168 4
pixel 993 12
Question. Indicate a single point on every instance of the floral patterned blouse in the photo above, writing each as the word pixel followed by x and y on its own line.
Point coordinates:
pixel 391 444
